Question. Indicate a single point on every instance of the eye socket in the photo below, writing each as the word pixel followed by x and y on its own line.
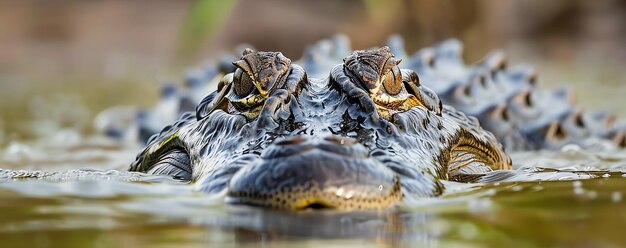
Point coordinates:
pixel 242 83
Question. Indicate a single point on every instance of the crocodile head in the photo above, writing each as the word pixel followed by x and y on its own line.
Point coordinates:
pixel 366 137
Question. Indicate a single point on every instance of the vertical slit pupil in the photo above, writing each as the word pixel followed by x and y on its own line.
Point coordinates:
pixel 243 85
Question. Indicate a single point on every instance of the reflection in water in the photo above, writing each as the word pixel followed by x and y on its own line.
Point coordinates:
pixel 57 202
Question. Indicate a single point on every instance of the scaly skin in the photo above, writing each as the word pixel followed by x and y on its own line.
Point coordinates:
pixel 365 137
pixel 504 99
pixel 302 136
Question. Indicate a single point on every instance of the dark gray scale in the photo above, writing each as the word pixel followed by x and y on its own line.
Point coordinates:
pixel 175 163
pixel 504 98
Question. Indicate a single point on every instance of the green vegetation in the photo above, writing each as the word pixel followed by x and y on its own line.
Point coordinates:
pixel 203 19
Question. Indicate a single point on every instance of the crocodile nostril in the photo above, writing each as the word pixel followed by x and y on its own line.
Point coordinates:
pixel 292 141
pixel 315 206
pixel 340 140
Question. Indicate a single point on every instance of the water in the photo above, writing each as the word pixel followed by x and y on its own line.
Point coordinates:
pixel 77 194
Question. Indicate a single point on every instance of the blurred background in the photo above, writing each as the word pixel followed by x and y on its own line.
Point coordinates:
pixel 65 60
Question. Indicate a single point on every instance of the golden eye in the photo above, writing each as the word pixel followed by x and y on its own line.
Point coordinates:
pixel 392 82
pixel 244 98
pixel 402 93
pixel 242 83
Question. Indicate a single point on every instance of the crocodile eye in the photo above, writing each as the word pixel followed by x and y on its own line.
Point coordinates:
pixel 392 81
pixel 242 83
pixel 401 92
pixel 391 89
pixel 244 92
pixel 245 96
pixel 394 97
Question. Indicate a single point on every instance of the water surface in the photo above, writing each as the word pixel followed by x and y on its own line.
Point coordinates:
pixel 78 194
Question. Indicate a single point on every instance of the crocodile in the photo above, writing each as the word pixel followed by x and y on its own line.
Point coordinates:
pixel 357 129
pixel 364 137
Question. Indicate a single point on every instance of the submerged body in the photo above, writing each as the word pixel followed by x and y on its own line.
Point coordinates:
pixel 365 137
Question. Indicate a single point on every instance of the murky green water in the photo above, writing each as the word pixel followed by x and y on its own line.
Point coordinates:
pixel 93 202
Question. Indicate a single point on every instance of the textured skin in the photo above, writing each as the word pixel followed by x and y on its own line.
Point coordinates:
pixel 401 134
pixel 505 99
pixel 363 137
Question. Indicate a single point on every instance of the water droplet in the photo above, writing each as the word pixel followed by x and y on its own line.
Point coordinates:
pixel 349 194
pixel 579 191
pixel 592 194
pixel 616 196
pixel 571 149
pixel 339 192
pixel 479 205
pixel 468 231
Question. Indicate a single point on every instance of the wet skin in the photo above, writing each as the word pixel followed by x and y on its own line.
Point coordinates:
pixel 366 137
